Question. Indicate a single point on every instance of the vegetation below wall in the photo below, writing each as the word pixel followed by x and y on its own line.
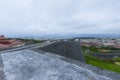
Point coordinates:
pixel 108 65
pixel 99 50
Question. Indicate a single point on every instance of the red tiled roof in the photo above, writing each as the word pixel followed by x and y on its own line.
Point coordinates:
pixel 2 46
pixel 6 43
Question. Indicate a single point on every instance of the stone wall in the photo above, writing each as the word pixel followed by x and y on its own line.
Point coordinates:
pixel 2 76
pixel 71 52
pixel 69 49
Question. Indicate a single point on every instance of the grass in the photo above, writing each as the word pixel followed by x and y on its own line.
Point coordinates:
pixel 117 59
pixel 92 48
pixel 102 64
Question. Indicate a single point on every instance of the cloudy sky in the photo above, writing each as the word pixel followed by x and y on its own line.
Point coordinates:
pixel 39 17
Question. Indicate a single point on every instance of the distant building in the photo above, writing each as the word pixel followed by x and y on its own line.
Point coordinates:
pixel 108 44
pixel 2 37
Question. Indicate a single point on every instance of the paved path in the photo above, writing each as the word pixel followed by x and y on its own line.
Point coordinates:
pixel 30 65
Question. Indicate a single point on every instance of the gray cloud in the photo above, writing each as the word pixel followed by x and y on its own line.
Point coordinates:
pixel 38 17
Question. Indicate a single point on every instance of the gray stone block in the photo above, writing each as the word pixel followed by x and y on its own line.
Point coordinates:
pixel 70 49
